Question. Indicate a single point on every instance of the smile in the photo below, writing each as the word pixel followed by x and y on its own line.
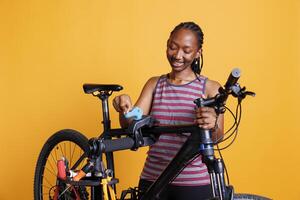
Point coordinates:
pixel 177 64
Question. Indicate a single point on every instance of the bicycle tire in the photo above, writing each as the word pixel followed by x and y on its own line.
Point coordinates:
pixel 241 196
pixel 55 147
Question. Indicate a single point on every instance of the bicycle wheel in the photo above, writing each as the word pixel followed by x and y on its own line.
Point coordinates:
pixel 248 196
pixel 69 144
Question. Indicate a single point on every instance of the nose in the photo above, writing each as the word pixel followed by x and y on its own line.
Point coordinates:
pixel 178 55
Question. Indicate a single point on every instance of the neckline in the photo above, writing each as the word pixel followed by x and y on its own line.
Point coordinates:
pixel 168 81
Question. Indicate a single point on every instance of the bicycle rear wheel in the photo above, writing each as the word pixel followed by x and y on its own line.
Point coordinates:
pixel 71 145
pixel 249 197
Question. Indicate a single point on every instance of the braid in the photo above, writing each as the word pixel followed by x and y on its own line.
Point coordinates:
pixel 192 27
pixel 196 66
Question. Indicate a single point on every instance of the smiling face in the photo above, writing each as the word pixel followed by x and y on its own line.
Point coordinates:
pixel 182 49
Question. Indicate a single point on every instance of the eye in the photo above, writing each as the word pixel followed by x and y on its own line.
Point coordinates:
pixel 188 50
pixel 172 47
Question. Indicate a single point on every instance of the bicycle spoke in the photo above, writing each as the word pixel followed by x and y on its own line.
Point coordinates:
pixel 55 148
pixel 45 194
pixel 81 164
pixel 62 153
pixel 47 181
pixel 69 145
pixel 70 158
pixel 50 171
pixel 54 160
pixel 73 153
pixel 46 187
pixel 50 163
pixel 64 149
pixel 80 161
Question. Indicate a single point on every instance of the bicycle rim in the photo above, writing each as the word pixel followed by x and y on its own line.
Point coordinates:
pixel 241 196
pixel 69 144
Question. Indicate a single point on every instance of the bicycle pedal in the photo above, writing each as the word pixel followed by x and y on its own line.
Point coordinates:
pixel 113 181
pixel 84 183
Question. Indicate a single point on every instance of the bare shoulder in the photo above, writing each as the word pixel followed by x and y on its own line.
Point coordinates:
pixel 145 99
pixel 212 88
pixel 151 83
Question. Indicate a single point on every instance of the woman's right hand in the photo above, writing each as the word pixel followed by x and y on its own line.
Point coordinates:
pixel 122 103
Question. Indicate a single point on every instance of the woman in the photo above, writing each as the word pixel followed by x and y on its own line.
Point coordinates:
pixel 169 99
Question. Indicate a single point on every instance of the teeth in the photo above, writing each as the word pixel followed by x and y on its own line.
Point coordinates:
pixel 178 63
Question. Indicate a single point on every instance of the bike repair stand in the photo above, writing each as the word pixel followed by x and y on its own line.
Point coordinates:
pixel 95 163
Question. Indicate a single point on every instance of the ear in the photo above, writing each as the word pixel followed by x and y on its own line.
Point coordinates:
pixel 199 52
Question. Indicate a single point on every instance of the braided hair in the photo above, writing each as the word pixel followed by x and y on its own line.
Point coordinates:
pixel 196 66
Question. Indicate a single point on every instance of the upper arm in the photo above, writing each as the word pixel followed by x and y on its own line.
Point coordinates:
pixel 211 88
pixel 145 99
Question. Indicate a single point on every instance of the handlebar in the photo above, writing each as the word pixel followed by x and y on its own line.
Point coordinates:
pixel 123 144
pixel 231 88
pixel 148 136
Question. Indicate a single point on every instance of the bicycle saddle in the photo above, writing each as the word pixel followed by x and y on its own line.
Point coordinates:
pixel 90 88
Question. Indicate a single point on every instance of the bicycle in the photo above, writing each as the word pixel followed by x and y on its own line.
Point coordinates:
pixel 71 167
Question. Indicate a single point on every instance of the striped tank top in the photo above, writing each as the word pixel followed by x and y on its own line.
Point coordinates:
pixel 173 105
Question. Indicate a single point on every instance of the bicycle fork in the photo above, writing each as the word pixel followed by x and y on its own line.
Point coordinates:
pixel 215 168
pixel 217 179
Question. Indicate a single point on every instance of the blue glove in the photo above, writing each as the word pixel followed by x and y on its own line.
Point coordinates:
pixel 136 113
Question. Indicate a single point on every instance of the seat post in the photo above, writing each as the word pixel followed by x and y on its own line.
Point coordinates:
pixel 103 91
pixel 103 95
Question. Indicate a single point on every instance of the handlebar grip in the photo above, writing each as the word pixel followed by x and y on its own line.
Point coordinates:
pixel 233 78
pixel 117 144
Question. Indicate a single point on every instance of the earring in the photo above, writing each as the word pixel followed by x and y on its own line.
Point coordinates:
pixel 196 61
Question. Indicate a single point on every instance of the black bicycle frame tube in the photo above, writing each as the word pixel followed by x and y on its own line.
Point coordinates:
pixel 189 149
pixel 96 192
pixel 106 125
pixel 199 142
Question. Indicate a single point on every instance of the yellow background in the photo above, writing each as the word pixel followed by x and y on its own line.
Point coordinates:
pixel 49 48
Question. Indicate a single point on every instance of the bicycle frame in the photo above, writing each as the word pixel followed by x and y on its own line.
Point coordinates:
pixel 199 142
pixel 139 134
pixel 67 182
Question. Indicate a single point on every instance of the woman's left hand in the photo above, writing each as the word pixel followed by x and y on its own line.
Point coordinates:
pixel 206 117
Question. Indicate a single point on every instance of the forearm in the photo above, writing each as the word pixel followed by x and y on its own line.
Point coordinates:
pixel 217 134
pixel 218 130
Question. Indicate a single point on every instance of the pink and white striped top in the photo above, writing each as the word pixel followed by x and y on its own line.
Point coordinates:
pixel 173 105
